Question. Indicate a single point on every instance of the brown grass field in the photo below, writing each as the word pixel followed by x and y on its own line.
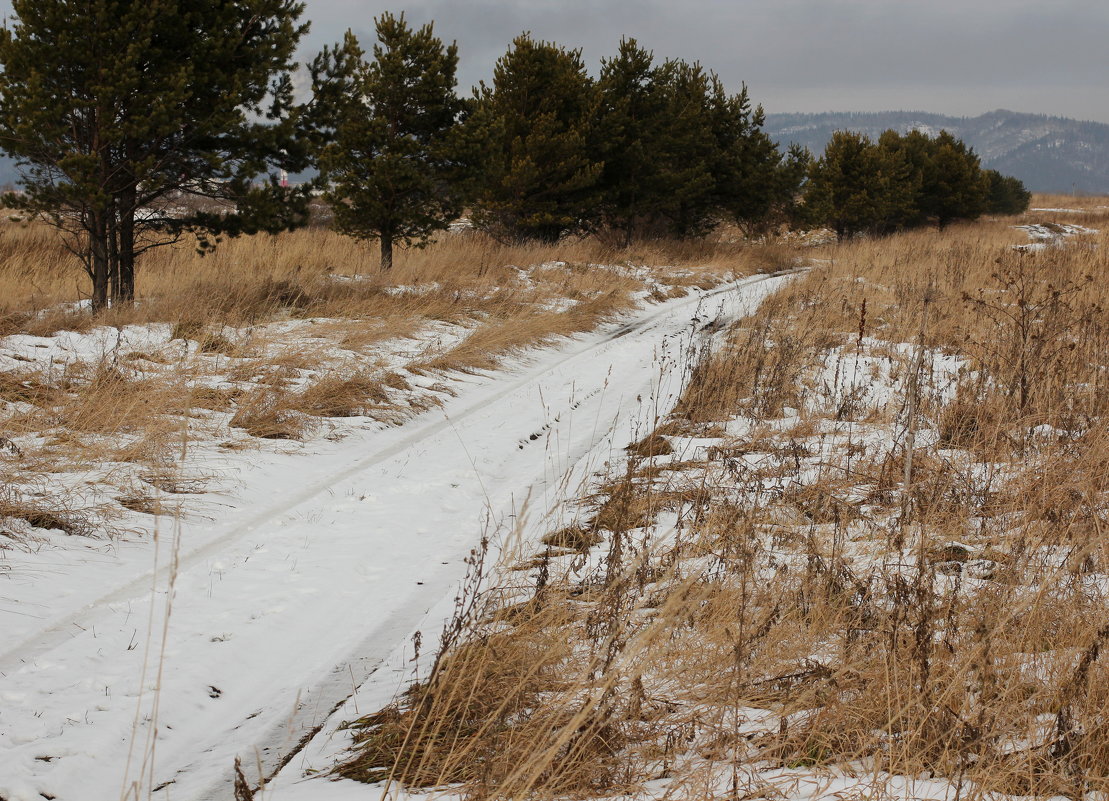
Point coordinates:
pixel 278 338
pixel 871 541
pixel 254 278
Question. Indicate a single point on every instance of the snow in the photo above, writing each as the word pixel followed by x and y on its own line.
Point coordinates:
pixel 1044 235
pixel 838 372
pixel 149 664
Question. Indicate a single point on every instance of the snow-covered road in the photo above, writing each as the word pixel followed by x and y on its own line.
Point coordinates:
pixel 133 678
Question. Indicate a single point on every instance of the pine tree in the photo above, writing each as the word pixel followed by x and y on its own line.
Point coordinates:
pixel 955 188
pixel 629 124
pixel 856 186
pixel 116 106
pixel 1007 195
pixel 903 181
pixel 751 179
pixel 534 133
pixel 335 72
pixel 658 144
pixel 680 153
pixel 790 176
pixel 915 151
pixel 687 150
pixel 949 183
pixel 389 167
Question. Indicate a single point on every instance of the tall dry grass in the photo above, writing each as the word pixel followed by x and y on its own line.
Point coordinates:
pixel 250 279
pixel 894 565
pixel 238 361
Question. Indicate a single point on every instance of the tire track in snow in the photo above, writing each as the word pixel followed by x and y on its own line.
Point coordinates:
pixel 199 738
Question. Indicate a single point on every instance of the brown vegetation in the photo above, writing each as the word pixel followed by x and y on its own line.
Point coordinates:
pixel 269 335
pixel 896 567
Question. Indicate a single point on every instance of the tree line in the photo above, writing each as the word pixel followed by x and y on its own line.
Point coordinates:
pixel 544 150
pixel 123 115
pixel 903 181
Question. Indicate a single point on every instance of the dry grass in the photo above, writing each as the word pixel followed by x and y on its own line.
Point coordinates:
pixel 29 389
pixel 270 335
pixel 46 514
pixel 654 444
pixel 900 568
pixel 342 395
pixel 494 338
pixel 266 414
pixel 485 698
pixel 312 272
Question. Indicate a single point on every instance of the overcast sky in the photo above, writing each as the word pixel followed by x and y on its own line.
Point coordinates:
pixel 961 57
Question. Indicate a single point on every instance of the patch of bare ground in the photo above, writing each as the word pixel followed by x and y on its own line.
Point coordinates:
pixel 868 548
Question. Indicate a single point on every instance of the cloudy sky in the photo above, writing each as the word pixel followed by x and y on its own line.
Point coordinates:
pixel 960 57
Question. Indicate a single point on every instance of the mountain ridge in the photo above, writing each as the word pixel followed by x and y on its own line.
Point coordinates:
pixel 1048 153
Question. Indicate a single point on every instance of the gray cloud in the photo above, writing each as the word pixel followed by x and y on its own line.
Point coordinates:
pixel 806 55
pixel 946 56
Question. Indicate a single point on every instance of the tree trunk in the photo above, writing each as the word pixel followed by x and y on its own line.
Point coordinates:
pixel 386 252
pixel 127 246
pixel 127 266
pixel 113 257
pixel 98 252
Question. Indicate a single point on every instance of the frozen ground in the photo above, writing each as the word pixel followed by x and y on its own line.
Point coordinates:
pixel 143 668
pixel 1044 235
pixel 856 401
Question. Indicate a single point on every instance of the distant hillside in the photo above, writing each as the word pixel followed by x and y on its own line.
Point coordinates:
pixel 1050 154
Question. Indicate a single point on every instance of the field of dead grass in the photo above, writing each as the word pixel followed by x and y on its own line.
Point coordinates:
pixel 866 555
pixel 276 338
pixel 316 272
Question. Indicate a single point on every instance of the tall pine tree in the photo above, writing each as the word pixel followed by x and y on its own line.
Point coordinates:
pixel 687 150
pixel 680 153
pixel 533 131
pixel 656 136
pixel 914 150
pixel 116 107
pixel 390 172
pixel 751 178
pixel 956 188
pixel 857 186
pixel 629 125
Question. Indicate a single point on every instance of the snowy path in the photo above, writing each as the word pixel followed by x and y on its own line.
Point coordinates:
pixel 297 587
